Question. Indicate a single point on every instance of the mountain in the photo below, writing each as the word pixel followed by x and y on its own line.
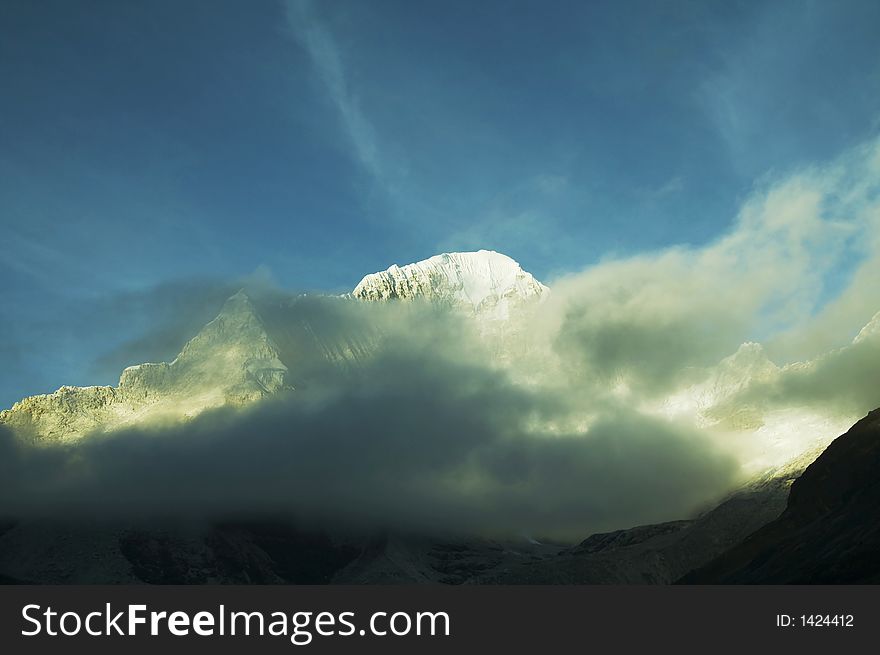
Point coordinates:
pixel 709 398
pixel 788 525
pixel 231 360
pixel 743 396
pixel 485 283
pixel 659 553
pixel 279 551
pixel 264 345
pixel 244 354
pixel 250 552
pixel 830 529
pixel 255 348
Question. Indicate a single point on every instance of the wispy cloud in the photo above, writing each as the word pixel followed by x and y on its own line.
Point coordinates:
pixel 518 218
pixel 328 63
pixel 760 94
pixel 35 258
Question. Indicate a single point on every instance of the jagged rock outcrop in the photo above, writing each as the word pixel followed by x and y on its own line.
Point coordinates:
pixel 231 360
pixel 63 415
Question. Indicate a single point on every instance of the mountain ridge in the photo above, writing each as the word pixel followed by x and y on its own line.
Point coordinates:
pixel 485 282
pixel 248 352
pixel 828 532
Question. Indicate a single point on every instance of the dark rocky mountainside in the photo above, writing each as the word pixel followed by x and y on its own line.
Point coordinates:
pixel 660 553
pixel 830 530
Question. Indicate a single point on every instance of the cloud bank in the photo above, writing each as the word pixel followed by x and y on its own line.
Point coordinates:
pixel 797 271
pixel 426 435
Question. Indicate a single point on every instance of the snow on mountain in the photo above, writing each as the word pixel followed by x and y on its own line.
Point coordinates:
pixel 870 330
pixel 768 437
pixel 252 350
pixel 733 374
pixel 247 352
pixel 231 360
pixel 487 283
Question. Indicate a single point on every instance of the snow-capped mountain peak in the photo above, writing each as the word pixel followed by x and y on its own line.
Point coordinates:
pixel 485 282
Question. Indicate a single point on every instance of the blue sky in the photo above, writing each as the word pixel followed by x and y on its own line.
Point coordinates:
pixel 143 143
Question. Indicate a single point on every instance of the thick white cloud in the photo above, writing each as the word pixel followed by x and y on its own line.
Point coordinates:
pixel 648 320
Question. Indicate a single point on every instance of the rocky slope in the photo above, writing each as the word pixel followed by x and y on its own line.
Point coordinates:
pixel 661 553
pixel 244 354
pixel 830 529
pixel 232 359
pixel 280 552
pixel 252 552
